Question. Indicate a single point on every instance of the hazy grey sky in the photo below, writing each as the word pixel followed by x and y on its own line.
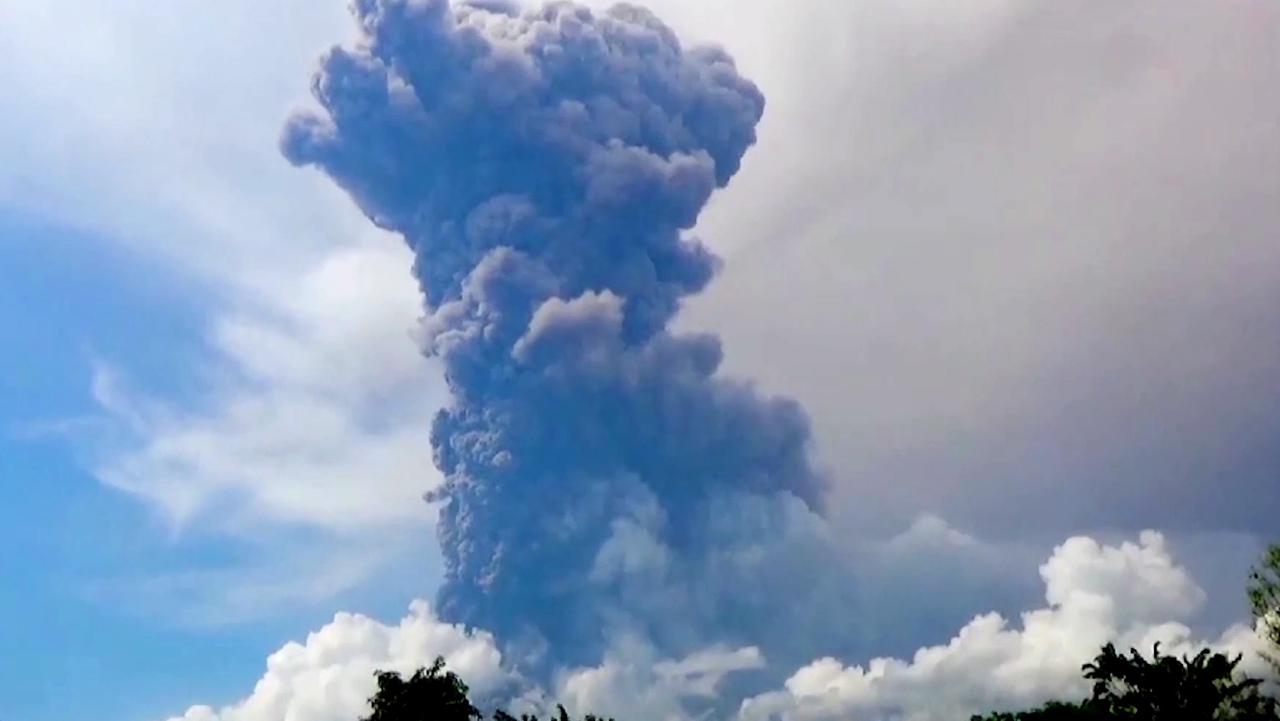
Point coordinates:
pixel 1019 260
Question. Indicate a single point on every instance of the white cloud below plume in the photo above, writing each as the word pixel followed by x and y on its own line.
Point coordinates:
pixel 330 676
pixel 1133 593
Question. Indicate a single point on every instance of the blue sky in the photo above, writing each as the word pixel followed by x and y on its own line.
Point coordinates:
pixel 1017 263
pixel 64 530
pixel 76 545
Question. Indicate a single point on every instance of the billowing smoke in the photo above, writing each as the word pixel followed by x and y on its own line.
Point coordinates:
pixel 602 479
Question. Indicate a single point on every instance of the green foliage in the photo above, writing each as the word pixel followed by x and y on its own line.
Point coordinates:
pixel 1205 687
pixel 1264 596
pixel 430 694
pixel 1169 688
pixel 1050 712
pixel 433 694
pixel 563 715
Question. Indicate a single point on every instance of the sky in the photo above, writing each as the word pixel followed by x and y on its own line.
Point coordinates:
pixel 1014 262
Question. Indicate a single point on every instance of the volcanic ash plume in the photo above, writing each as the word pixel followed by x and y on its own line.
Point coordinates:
pixel 544 165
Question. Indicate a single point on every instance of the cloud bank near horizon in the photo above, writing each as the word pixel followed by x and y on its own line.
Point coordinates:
pixel 1132 592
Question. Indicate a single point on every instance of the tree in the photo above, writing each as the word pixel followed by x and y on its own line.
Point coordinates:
pixel 1054 711
pixel 562 715
pixel 1169 688
pixel 433 694
pixel 1205 687
pixel 430 694
pixel 1264 596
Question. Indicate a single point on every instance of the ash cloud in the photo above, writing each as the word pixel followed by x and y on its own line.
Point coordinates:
pixel 601 476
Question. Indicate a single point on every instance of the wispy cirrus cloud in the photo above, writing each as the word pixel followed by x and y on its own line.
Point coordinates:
pixel 317 410
pixel 300 429
pixel 311 423
pixel 128 123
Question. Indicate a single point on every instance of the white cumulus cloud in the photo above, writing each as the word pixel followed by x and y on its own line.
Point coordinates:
pixel 634 683
pixel 1133 594
pixel 330 676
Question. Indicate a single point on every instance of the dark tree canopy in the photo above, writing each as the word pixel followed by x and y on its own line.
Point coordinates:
pixel 1054 711
pixel 562 715
pixel 1205 687
pixel 1264 596
pixel 434 694
pixel 430 694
